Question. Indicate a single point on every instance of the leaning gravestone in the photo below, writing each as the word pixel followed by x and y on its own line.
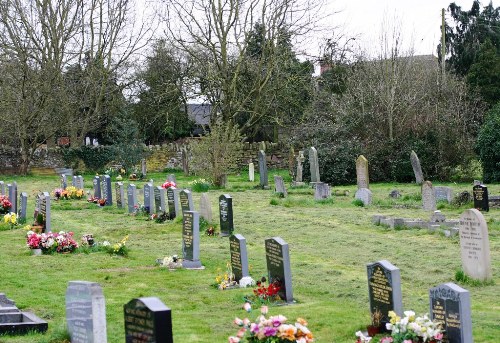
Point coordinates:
pixel 264 183
pixel 384 289
pixel 362 177
pixel 365 195
pixel 417 168
pixel 443 193
pixel 160 205
pixel 428 196
pixel 86 312
pixel 186 200
pixel 2 188
pixel 173 205
pixel 120 194
pixel 97 187
pixel 474 245
pixel 450 305
pixel 45 211
pixel 191 240
pixel 106 192
pixel 251 172
pixel 314 165
pixel 322 191
pixel 226 215
pixel 205 207
pixel 147 320
pixel 480 195
pixel 149 201
pixel 132 198
pixel 239 257
pixel 12 188
pixel 23 206
pixel 278 266
pixel 279 185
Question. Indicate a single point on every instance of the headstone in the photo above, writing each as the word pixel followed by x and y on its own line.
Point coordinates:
pixel 300 166
pixel 264 183
pixel 171 178
pixel 205 207
pixel 226 215
pixel 279 185
pixel 131 198
pixel 322 191
pixel 97 187
pixel 291 163
pixel 384 289
pixel 480 195
pixel 64 181
pixel 365 195
pixel 86 312
pixel 45 210
pixel 160 205
pixel 417 169
pixel 2 188
pixel 12 189
pixel 278 266
pixel 106 191
pixel 474 245
pixel 428 196
pixel 314 165
pixel 173 205
pixel 23 205
pixel 143 167
pixel 186 200
pixel 450 305
pixel 79 182
pixel 477 182
pixel 73 181
pixel 191 240
pixel 251 172
pixel 443 193
pixel 147 320
pixel 120 195
pixel 149 203
pixel 362 177
pixel 239 257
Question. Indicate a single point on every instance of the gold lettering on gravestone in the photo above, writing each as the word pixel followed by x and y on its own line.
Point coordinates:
pixel 274 254
pixel 235 255
pixel 380 287
pixel 478 193
pixel 188 230
pixel 140 325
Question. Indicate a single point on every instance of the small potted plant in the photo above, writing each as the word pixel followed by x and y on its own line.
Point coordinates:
pixel 374 328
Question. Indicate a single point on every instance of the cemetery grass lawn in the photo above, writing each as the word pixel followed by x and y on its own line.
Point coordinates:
pixel 330 244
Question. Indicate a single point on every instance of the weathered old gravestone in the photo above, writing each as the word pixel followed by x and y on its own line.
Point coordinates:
pixel 171 178
pixel 191 240
pixel 384 289
pixel 450 305
pixel 428 196
pixel 2 188
pixel 147 320
pixel 173 205
pixel 131 198
pixel 86 312
pixel 160 205
pixel 417 168
pixel 251 172
pixel 300 166
pixel 106 191
pixel 362 177
pixel 205 207
pixel 12 189
pixel 45 211
pixel 278 266
pixel 143 167
pixel 226 215
pixel 279 186
pixel 443 193
pixel 186 200
pixel 239 257
pixel 64 181
pixel 78 181
pixel 365 195
pixel 149 201
pixel 480 195
pixel 474 245
pixel 314 165
pixel 23 206
pixel 120 194
pixel 97 187
pixel 264 183
pixel 322 191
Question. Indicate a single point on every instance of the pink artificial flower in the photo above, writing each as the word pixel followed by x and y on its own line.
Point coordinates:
pixel 233 339
pixel 246 322
pixel 269 331
pixel 407 341
pixel 278 320
pixel 386 340
pixel 438 336
pixel 238 321
pixel 254 328
pixel 264 309
pixel 247 307
pixel 241 332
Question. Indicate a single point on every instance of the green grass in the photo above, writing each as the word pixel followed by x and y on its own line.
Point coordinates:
pixel 330 244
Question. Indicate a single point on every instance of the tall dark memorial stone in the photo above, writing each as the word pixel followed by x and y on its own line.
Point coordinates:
pixel 147 320
pixel 45 211
pixel 480 195
pixel 23 205
pixel 278 266
pixel 173 206
pixel 191 240
pixel 239 257
pixel 450 305
pixel 12 188
pixel 149 201
pixel 186 200
pixel 106 192
pixel 384 289
pixel 264 182
pixel 131 198
pixel 226 215
pixel 97 187
pixel 160 205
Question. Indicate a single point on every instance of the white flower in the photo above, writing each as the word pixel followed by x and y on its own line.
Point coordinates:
pixel 247 281
pixel 106 243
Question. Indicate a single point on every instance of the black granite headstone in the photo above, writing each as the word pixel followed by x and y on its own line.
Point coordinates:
pixel 239 258
pixel 172 208
pixel 278 266
pixel 226 215
pixel 480 194
pixel 186 200
pixel 191 240
pixel 147 320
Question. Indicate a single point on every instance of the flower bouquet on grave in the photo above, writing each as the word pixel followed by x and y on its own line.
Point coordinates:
pixel 11 219
pixel 57 193
pixel 265 293
pixel 170 262
pixel 411 329
pixel 5 204
pixel 119 248
pixel 225 280
pixel 65 242
pixel 92 199
pixel 61 242
pixel 102 202
pixel 168 184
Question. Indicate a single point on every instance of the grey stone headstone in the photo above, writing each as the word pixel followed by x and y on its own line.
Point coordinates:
pixel 120 194
pixel 205 207
pixel 251 172
pixel 12 188
pixel 475 245
pixel 226 215
pixel 384 289
pixel 450 305
pixel 395 194
pixel 171 178
pixel 45 210
pixel 149 200
pixel 143 168
pixel 264 182
pixel 365 195
pixel 131 198
pixel 279 185
pixel 2 188
pixel 23 205
pixel 64 181
pixel 191 240
pixel 186 200
pixel 79 182
pixel 278 266
pixel 160 204
pixel 322 191
pixel 147 320
pixel 97 187
pixel 173 204
pixel 477 182
pixel 86 312
pixel 437 217
pixel 106 191
pixel 73 181
pixel 300 166
pixel 443 193
pixel 314 165
pixel 239 257
pixel 362 177
pixel 428 196
pixel 417 169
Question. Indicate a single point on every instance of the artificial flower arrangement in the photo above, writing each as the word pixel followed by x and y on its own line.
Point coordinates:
pixel 265 294
pixel 11 219
pixel 168 184
pixel 225 280
pixel 101 202
pixel 51 242
pixel 5 204
pixel 119 248
pixel 274 329
pixel 170 262
pixel 70 192
pixel 159 217
pixel 92 199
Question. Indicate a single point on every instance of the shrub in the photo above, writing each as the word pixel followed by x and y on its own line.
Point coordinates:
pixel 488 145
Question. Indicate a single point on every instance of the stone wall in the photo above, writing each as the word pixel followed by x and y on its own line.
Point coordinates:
pixel 44 158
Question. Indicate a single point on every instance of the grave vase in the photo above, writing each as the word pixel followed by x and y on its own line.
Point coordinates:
pixel 36 252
